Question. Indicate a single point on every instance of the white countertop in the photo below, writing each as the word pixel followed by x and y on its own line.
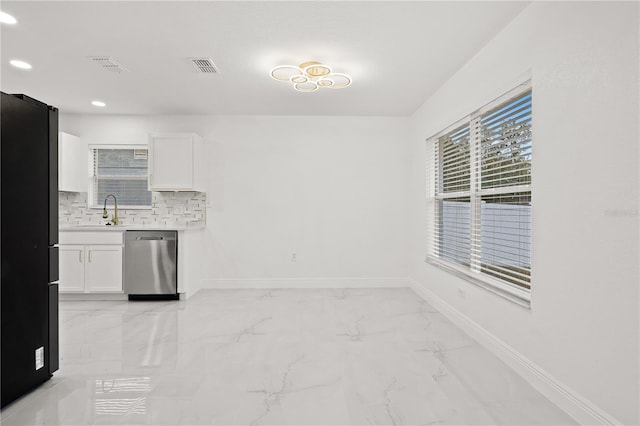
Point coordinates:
pixel 122 228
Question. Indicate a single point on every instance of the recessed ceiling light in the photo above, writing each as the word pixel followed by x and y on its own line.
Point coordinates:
pixel 98 103
pixel 20 64
pixel 5 18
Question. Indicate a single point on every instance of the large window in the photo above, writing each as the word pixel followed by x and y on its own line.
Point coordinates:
pixel 121 171
pixel 480 194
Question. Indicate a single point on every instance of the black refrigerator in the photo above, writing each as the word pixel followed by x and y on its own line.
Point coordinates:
pixel 29 233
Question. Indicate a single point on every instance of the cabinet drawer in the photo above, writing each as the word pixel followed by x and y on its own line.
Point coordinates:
pixel 105 237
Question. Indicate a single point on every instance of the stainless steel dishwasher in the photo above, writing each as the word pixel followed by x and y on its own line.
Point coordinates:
pixel 150 265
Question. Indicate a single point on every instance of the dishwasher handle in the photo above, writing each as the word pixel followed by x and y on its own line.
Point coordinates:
pixel 142 236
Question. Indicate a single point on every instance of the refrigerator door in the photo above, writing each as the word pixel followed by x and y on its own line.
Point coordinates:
pixel 54 260
pixel 27 264
pixel 53 354
pixel 53 176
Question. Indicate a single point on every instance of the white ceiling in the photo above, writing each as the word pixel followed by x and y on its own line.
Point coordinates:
pixel 398 53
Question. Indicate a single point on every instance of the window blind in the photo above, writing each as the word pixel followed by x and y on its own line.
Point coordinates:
pixel 480 192
pixel 505 142
pixel 504 191
pixel 453 204
pixel 455 154
pixel 454 230
pixel 505 237
pixel 122 172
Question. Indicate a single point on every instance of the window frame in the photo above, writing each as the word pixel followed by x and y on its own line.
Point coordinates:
pixel 99 204
pixel 510 291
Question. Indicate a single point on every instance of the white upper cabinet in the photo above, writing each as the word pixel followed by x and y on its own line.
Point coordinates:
pixel 176 162
pixel 73 163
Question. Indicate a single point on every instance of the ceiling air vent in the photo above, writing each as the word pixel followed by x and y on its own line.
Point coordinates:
pixel 204 65
pixel 108 64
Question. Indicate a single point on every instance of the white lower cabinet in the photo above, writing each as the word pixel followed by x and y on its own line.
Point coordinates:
pixel 103 269
pixel 90 268
pixel 71 268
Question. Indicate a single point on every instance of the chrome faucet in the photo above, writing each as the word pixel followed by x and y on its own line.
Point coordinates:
pixel 105 215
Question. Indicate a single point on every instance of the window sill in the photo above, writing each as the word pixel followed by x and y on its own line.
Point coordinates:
pixel 512 294
pixel 110 207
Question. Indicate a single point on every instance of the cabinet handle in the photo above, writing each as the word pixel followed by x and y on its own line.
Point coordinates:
pixel 151 178
pixel 80 256
pixel 89 256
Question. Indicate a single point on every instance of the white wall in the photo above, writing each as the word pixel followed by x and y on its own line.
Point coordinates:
pixel 332 190
pixel 583 324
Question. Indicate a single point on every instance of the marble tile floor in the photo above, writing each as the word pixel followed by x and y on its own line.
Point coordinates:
pixel 276 357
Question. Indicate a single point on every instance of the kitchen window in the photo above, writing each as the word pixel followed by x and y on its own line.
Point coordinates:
pixel 479 194
pixel 121 171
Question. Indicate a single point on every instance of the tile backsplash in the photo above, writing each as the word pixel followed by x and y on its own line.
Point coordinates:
pixel 167 209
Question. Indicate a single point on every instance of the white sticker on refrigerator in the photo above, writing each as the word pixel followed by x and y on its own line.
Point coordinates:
pixel 39 358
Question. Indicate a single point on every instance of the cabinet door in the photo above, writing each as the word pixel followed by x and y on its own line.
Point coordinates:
pixel 103 269
pixel 171 165
pixel 73 158
pixel 71 269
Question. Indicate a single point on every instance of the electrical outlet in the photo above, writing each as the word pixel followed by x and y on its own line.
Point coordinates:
pixel 461 293
pixel 39 358
pixel 293 257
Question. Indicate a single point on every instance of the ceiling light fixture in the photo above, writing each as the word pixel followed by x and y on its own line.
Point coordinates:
pixel 309 76
pixel 5 18
pixel 98 103
pixel 20 64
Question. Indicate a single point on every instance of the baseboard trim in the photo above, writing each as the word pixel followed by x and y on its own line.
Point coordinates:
pixel 575 405
pixel 272 283
pixel 108 297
